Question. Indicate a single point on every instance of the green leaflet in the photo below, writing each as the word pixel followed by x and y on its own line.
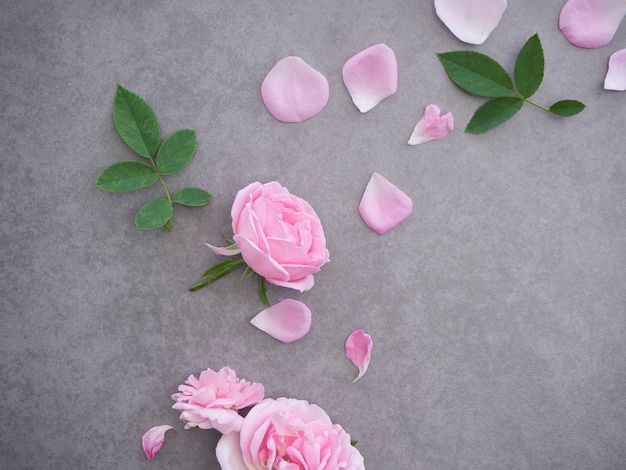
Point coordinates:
pixel 493 113
pixel 138 127
pixel 529 67
pixel 176 151
pixel 126 176
pixel 135 122
pixel 153 215
pixel 567 108
pixel 193 197
pixel 481 75
pixel 476 73
pixel 218 271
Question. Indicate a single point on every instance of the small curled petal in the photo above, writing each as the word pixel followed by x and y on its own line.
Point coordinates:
pixel 359 350
pixel 432 126
pixel 153 439
pixel 616 76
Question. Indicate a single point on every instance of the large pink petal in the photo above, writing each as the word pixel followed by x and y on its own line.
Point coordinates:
pixel 153 439
pixel 616 76
pixel 228 452
pixel 371 76
pixel 591 23
pixel 359 350
pixel 383 205
pixel 287 321
pixel 293 91
pixel 432 126
pixel 471 21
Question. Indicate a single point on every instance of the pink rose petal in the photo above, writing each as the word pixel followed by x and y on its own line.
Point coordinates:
pixel 287 321
pixel 358 350
pixel 383 205
pixel 616 76
pixel 153 439
pixel 371 76
pixel 228 452
pixel 432 126
pixel 471 21
pixel 591 23
pixel 293 91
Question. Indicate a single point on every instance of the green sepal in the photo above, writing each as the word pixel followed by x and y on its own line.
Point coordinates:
pixel 126 176
pixel 176 151
pixel 566 108
pixel 493 113
pixel 246 274
pixel 136 122
pixel 529 67
pixel 154 214
pixel 354 443
pixel 263 291
pixel 218 271
pixel 477 73
pixel 193 197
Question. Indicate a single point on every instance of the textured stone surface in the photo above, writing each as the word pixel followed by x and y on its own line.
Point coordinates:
pixel 497 309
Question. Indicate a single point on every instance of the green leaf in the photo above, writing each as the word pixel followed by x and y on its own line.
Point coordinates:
pixel 529 67
pixel 218 271
pixel 567 108
pixel 263 291
pixel 493 113
pixel 135 122
pixel 126 176
pixel 477 73
pixel 176 151
pixel 153 215
pixel 193 197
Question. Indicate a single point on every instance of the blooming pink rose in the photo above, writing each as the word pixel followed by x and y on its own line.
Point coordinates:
pixel 280 235
pixel 212 400
pixel 288 434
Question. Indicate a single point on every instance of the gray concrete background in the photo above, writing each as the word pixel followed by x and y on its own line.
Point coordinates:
pixel 498 309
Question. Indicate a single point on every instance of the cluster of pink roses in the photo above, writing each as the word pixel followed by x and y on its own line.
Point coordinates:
pixel 282 433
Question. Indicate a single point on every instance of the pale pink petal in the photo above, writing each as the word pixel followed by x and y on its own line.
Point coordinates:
pixel 287 321
pixel 230 250
pixel 153 439
pixel 471 21
pixel 228 452
pixel 371 76
pixel 432 126
pixel 591 23
pixel 293 91
pixel 383 205
pixel 358 350
pixel 616 76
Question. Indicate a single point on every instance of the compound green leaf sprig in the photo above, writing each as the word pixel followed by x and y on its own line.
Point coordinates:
pixel 481 75
pixel 137 125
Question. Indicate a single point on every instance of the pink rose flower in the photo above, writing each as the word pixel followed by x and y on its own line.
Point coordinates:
pixel 288 434
pixel 212 400
pixel 280 235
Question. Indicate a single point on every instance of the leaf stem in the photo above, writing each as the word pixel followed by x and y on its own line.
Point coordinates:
pixel 168 227
pixel 523 98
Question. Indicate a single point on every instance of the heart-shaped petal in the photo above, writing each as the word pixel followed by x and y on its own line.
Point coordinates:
pixel 293 91
pixel 153 439
pixel 432 126
pixel 616 76
pixel 287 321
pixel 359 350
pixel 371 76
pixel 383 205
pixel 471 21
pixel 591 23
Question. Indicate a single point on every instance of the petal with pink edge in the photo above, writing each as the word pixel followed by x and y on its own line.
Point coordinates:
pixel 293 91
pixel 616 76
pixel 153 439
pixel 371 76
pixel 591 23
pixel 228 452
pixel 472 21
pixel 431 126
pixel 383 205
pixel 359 350
pixel 287 321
